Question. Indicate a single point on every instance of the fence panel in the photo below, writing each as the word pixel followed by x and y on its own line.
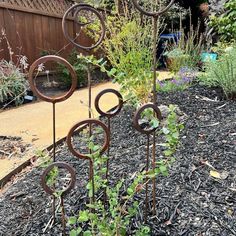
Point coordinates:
pixel 32 31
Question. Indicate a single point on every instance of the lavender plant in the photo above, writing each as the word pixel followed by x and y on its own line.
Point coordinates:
pixel 183 79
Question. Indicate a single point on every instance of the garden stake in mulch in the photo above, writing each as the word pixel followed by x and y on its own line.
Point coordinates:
pixel 53 100
pixel 77 128
pixel 109 115
pixel 155 16
pixel 140 127
pixel 62 193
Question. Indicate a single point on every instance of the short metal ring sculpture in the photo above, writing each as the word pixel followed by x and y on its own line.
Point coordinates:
pixel 62 165
pixel 137 117
pixel 32 78
pixel 153 14
pixel 75 11
pixel 85 123
pixel 113 112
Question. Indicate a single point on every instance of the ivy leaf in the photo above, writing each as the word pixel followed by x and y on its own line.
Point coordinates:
pixel 87 233
pixel 73 232
pixel 83 216
pixel 165 131
pixel 72 220
pixel 163 169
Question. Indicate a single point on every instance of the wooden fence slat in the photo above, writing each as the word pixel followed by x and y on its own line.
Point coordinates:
pixel 34 30
pixel 2 43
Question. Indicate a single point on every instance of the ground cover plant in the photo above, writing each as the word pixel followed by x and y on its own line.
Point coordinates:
pixel 222 73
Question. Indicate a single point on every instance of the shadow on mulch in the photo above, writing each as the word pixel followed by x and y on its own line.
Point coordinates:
pixel 189 201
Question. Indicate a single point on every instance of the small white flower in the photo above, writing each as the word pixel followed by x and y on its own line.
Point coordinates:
pixel 41 67
pixel 23 62
pixel 47 72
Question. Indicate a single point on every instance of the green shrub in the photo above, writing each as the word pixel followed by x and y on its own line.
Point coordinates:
pixel 222 73
pixel 13 84
pixel 225 24
pixel 187 52
pixel 79 67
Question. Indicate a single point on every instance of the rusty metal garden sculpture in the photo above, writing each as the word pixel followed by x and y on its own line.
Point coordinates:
pixel 32 80
pixel 63 192
pixel 155 16
pixel 85 15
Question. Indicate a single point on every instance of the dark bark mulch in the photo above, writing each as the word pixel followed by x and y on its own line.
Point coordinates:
pixel 189 201
pixel 12 147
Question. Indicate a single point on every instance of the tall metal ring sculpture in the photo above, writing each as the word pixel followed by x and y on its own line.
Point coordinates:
pixel 109 115
pixel 113 112
pixel 65 191
pixel 148 132
pixel 79 155
pixel 84 123
pixel 155 16
pixel 58 59
pixel 53 100
pixel 75 11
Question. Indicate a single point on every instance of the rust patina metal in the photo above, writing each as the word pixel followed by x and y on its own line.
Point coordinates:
pixel 155 16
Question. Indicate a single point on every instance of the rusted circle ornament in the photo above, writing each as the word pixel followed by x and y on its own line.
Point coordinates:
pixel 32 78
pixel 62 165
pixel 75 11
pixel 113 112
pixel 153 14
pixel 137 117
pixel 84 124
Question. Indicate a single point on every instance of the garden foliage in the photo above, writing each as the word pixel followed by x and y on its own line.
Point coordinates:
pixel 222 73
pixel 114 218
pixel 225 24
pixel 13 84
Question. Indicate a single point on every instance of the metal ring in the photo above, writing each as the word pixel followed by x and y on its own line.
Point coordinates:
pixel 61 60
pixel 81 7
pixel 118 108
pixel 65 166
pixel 138 115
pixel 83 123
pixel 153 14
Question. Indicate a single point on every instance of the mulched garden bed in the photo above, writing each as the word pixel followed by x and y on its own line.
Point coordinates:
pixel 12 147
pixel 189 201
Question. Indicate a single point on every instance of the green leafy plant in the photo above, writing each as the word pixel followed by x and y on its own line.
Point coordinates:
pixel 187 51
pixel 115 217
pixel 225 24
pixel 80 68
pixel 129 51
pixel 171 130
pixel 222 73
pixel 13 85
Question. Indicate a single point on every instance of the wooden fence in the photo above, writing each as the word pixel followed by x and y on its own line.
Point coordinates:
pixel 34 27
